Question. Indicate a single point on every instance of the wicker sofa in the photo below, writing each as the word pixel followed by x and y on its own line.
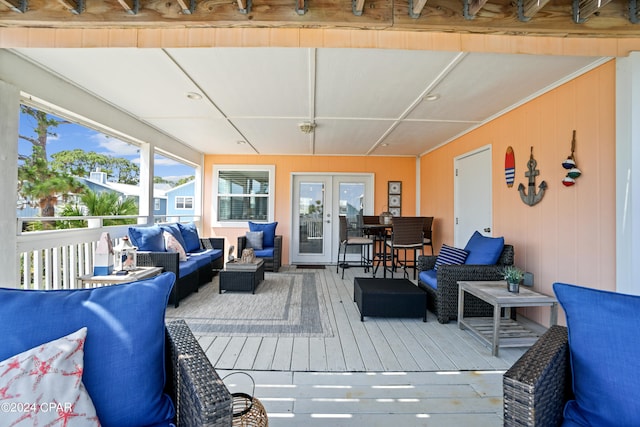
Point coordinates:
pixel 189 282
pixel 443 301
pixel 198 393
pixel 538 385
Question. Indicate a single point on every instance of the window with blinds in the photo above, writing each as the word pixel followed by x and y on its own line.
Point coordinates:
pixel 244 194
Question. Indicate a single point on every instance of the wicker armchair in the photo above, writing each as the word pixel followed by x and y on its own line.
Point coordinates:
pixel 270 264
pixel 444 300
pixel 199 395
pixel 538 385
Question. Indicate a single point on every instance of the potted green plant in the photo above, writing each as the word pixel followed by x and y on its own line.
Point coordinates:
pixel 513 275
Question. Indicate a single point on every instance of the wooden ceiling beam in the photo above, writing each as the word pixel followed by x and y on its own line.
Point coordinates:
pixel 583 9
pixel 472 7
pixel 357 6
pixel 187 9
pixel 497 17
pixel 130 6
pixel 19 6
pixel 528 8
pixel 74 6
pixel 415 8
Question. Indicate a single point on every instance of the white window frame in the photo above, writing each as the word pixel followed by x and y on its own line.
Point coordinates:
pixel 156 204
pixel 271 169
pixel 184 202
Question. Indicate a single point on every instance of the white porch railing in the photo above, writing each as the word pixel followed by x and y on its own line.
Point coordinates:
pixel 55 259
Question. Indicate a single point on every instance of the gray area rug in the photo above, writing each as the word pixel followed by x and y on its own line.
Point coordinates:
pixel 285 304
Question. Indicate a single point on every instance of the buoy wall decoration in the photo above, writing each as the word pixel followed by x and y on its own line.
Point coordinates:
pixel 570 164
pixel 509 167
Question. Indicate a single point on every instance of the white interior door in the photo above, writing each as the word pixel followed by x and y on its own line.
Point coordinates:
pixel 473 195
pixel 318 200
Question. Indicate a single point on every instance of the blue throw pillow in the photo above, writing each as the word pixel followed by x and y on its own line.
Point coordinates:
pixel 190 235
pixel 174 230
pixel 269 229
pixel 147 238
pixel 124 371
pixel 484 250
pixel 604 342
pixel 450 256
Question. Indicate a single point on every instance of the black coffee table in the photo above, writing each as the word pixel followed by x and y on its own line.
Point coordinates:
pixel 389 298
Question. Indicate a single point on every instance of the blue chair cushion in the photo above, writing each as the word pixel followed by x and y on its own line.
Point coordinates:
pixel 450 256
pixel 269 229
pixel 429 277
pixel 174 230
pixel 124 371
pixel 604 343
pixel 190 235
pixel 187 267
pixel 264 253
pixel 147 238
pixel 484 250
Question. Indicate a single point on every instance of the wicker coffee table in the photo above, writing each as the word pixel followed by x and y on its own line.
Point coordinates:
pixel 502 331
pixel 238 276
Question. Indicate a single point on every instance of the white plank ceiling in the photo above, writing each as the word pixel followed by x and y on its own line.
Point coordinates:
pixel 363 101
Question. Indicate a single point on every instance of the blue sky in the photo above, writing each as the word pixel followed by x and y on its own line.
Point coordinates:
pixel 72 136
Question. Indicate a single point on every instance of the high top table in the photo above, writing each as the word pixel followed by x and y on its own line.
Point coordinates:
pixel 502 331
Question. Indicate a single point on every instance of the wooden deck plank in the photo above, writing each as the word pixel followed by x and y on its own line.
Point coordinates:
pixel 301 355
pixel 317 353
pixel 283 354
pixel 264 358
pixel 231 353
pixel 216 349
pixel 246 358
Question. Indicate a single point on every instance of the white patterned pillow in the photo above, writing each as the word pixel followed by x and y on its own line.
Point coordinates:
pixel 173 245
pixel 43 386
pixel 450 256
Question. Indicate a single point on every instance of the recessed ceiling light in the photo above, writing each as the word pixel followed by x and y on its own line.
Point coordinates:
pixel 432 97
pixel 194 95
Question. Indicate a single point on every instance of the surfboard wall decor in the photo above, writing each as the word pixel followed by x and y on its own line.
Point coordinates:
pixel 509 166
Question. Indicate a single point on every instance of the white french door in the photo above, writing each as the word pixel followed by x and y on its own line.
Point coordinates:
pixel 317 201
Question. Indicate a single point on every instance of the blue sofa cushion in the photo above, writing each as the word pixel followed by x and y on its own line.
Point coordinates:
pixel 124 371
pixel 603 344
pixel 450 256
pixel 190 236
pixel 187 267
pixel 484 250
pixel 147 238
pixel 174 230
pixel 211 254
pixel 269 229
pixel 429 277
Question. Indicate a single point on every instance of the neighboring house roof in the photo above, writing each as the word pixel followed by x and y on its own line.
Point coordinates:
pixel 179 187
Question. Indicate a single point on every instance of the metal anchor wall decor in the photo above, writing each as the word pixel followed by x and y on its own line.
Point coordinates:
pixel 531 197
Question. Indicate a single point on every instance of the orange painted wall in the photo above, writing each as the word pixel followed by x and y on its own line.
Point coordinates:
pixel 570 235
pixel 384 169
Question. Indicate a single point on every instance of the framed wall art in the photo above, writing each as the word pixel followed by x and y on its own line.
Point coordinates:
pixel 395 200
pixel 395 211
pixel 395 187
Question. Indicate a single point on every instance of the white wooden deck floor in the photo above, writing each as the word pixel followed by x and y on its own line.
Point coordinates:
pixel 372 373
